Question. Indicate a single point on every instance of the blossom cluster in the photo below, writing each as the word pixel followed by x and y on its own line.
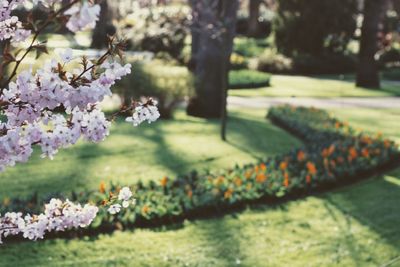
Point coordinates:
pixel 32 97
pixel 30 102
pixel 81 15
pixel 10 26
pixel 144 112
pixel 59 216
pixel 124 201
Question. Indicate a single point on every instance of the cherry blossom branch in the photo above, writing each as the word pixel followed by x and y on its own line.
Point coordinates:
pixel 49 20
pixel 60 216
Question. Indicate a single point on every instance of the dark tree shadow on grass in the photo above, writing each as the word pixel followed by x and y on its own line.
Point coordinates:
pixel 375 204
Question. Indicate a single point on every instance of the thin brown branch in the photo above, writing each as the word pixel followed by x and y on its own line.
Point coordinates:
pixel 49 20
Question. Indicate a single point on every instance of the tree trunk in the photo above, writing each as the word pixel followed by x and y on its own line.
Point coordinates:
pixel 254 14
pixel 368 71
pixel 104 26
pixel 211 49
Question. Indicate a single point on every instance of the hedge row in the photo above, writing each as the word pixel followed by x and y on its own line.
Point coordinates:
pixel 334 153
pixel 247 79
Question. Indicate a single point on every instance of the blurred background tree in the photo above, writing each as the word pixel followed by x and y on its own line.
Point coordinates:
pixel 105 25
pixel 314 27
pixel 368 69
pixel 213 29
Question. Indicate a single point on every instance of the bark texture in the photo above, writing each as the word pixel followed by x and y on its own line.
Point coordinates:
pixel 254 14
pixel 368 70
pixel 104 26
pixel 213 31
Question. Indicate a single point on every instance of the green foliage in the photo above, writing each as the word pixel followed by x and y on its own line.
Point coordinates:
pixel 249 47
pixel 390 56
pixel 248 79
pixel 392 74
pixel 335 154
pixel 273 62
pixel 159 29
pixel 166 83
pixel 314 26
pixel 324 64
pixel 238 62
pixel 305 64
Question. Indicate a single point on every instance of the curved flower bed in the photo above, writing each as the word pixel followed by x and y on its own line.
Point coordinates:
pixel 334 154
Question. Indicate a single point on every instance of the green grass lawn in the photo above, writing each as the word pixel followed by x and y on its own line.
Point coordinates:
pixel 150 152
pixel 324 87
pixel 386 121
pixel 353 226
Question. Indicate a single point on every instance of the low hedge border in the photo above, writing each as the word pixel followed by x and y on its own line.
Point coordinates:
pixel 334 154
pixel 248 79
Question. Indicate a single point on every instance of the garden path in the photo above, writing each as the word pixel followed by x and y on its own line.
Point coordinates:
pixel 342 102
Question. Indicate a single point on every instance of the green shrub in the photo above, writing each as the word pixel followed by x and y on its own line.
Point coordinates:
pixel 168 84
pixel 324 64
pixel 248 79
pixel 392 74
pixel 238 62
pixel 390 56
pixel 273 62
pixel 305 64
pixel 249 47
pixel 314 27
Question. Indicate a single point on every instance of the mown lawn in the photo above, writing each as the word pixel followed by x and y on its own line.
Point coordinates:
pixel 352 226
pixel 323 87
pixel 150 152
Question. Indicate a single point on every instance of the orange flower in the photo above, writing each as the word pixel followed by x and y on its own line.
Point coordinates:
pixel 308 179
pixel 353 154
pixel 301 155
pixel 228 193
pixel 164 181
pixel 145 209
pixel 261 177
pixel 324 153
pixel 331 149
pixel 248 174
pixel 311 168
pixel 6 201
pixel 386 143
pixel 326 163
pixel 190 194
pixel 338 125
pixel 263 167
pixel 102 187
pixel 283 165
pixel 366 139
pixel 249 186
pixel 286 180
pixel 256 169
pixel 238 182
pixel 219 180
pixel 328 151
pixel 333 164
pixel 365 152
